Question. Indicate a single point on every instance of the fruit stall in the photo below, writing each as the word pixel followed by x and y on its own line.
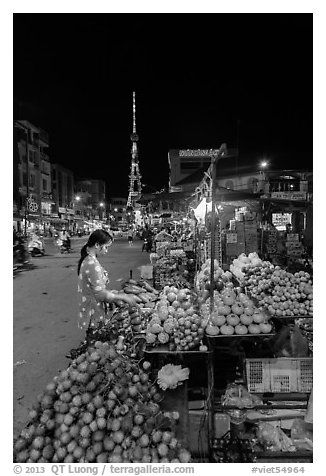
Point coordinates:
pixel 212 364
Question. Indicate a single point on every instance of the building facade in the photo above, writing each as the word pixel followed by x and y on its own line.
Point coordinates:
pixel 63 193
pixel 32 176
pixel 92 198
pixel 117 208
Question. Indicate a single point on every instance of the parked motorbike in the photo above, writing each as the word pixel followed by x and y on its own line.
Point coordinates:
pixel 36 247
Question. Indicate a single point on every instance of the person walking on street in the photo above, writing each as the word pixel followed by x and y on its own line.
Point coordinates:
pixel 131 237
pixel 93 279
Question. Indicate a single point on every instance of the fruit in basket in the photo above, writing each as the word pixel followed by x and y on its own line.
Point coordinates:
pixel 237 308
pixel 258 317
pixel 223 309
pixel 265 327
pixel 226 329
pixel 232 319
pixel 241 329
pixel 246 319
pixel 212 330
pixel 254 329
pixel 218 320
pixel 171 297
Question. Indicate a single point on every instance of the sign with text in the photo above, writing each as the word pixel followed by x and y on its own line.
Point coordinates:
pixel 198 152
pixel 289 195
pixel 281 219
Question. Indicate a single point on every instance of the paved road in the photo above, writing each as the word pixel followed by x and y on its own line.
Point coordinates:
pixel 45 315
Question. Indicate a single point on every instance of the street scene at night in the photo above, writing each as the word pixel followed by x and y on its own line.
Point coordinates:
pixel 162 239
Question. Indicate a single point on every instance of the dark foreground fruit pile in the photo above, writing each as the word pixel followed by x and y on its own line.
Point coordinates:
pixel 102 408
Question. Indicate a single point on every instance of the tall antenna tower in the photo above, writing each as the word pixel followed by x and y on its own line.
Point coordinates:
pixel 134 177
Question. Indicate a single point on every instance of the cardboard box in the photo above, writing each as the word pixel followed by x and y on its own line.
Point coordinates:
pixel 198 434
pixel 292 237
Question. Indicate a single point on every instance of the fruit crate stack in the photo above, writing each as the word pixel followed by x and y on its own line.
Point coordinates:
pixel 294 248
pixel 271 245
pixel 251 236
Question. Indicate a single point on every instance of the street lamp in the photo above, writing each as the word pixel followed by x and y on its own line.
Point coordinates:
pixel 264 164
pixel 101 207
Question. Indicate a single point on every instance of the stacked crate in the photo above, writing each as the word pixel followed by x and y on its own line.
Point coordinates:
pixel 251 236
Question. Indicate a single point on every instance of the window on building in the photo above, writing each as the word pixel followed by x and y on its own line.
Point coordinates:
pixel 53 174
pixel 44 185
pixel 32 180
pixel 25 179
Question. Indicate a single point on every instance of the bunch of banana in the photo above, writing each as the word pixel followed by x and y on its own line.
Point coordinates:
pixel 142 292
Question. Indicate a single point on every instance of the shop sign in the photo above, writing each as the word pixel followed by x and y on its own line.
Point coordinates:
pixel 70 211
pixel 289 195
pixel 54 215
pixel 61 210
pixel 198 152
pixel 281 219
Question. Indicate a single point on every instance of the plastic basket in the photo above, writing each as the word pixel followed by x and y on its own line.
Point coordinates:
pixel 279 375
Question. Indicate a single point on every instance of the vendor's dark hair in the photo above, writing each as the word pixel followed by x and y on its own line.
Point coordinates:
pixel 98 236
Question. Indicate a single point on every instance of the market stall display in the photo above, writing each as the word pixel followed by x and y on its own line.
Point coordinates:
pixel 278 291
pixel 176 320
pixel 234 313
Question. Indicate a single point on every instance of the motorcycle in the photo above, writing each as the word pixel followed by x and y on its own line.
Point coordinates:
pixel 147 245
pixel 36 247
pixel 64 246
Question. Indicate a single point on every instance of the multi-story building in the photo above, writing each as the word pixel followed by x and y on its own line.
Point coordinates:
pixel 92 198
pixel 118 210
pixel 32 175
pixel 63 192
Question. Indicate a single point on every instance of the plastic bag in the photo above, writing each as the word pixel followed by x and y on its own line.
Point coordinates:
pixel 273 438
pixel 289 342
pixel 301 435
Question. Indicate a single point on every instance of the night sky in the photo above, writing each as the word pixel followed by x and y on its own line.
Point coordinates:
pixel 200 80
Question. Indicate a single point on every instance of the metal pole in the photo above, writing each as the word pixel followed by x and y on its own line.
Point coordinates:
pixel 27 184
pixel 213 173
pixel 214 161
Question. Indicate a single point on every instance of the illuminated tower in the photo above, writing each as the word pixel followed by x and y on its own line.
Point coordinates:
pixel 134 177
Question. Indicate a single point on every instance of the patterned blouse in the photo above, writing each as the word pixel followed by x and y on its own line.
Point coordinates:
pixel 92 283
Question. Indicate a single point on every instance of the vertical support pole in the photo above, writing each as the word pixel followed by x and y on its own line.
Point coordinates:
pixel 214 161
pixel 27 184
pixel 213 180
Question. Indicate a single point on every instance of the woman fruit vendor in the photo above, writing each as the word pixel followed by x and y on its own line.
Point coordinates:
pixel 92 281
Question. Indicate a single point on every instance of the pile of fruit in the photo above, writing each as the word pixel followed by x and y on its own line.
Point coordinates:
pixel 234 313
pixel 142 292
pixel 166 272
pixel 280 292
pixel 203 281
pixel 103 408
pixel 130 318
pixel 243 264
pixel 176 320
